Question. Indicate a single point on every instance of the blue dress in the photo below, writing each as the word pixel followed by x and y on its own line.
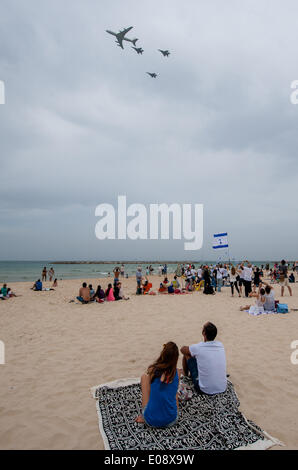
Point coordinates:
pixel 161 409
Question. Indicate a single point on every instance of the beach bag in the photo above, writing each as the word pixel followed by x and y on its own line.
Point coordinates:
pixel 282 308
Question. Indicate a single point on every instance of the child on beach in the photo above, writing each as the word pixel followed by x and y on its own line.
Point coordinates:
pixel 160 389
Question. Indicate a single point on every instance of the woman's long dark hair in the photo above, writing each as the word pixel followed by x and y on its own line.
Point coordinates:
pixel 166 363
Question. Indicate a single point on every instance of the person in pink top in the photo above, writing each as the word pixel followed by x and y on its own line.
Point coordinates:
pixel 109 293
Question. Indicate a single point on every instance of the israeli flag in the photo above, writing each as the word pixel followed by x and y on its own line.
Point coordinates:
pixel 220 240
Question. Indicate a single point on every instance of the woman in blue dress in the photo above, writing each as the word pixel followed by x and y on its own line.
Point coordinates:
pixel 160 388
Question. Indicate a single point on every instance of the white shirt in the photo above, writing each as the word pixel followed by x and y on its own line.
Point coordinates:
pixel 219 273
pixel 211 362
pixel 269 304
pixel 247 273
pixel 199 272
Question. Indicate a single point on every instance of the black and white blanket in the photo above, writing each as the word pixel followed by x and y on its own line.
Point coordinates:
pixel 205 422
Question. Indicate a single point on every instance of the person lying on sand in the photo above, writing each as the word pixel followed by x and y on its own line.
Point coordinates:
pixel 206 363
pixel 160 389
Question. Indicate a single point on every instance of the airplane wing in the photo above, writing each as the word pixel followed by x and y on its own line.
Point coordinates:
pixel 124 31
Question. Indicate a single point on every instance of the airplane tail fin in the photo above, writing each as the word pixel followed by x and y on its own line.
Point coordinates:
pixel 134 41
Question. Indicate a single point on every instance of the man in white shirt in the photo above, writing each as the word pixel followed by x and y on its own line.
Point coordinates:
pixel 247 276
pixel 206 363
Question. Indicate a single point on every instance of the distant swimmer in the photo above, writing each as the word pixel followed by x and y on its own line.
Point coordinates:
pixel 139 50
pixel 164 53
pixel 153 75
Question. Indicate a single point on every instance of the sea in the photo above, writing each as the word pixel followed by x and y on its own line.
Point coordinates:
pixel 30 271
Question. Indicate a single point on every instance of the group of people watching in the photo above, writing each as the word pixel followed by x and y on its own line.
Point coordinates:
pixel 87 294
pixel 204 362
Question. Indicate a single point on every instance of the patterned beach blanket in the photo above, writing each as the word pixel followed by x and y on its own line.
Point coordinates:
pixel 205 422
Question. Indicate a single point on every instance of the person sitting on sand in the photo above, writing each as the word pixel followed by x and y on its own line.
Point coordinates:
pixel 37 286
pixel 109 295
pixel 206 363
pixel 163 287
pixel 99 295
pixel 176 283
pixel 3 290
pixel 291 278
pixel 116 292
pixel 121 293
pixel 84 294
pixel 10 293
pixel 269 304
pixel 160 389
pixel 92 292
pixel 258 307
pixel 146 286
pixel 55 283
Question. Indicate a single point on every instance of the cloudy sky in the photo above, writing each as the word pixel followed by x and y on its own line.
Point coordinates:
pixel 83 123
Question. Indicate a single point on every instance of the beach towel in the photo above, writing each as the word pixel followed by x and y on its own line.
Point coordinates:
pixel 264 312
pixel 206 422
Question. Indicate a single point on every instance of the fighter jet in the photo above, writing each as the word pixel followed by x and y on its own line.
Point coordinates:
pixel 164 53
pixel 152 75
pixel 120 37
pixel 139 50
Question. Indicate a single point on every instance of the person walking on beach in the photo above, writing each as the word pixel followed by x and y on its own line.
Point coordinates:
pixel 206 363
pixel 44 274
pixel 283 278
pixel 160 389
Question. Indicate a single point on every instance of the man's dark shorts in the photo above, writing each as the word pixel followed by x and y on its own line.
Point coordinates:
pixel 193 369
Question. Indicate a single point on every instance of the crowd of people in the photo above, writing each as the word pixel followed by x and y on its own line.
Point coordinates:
pixel 243 278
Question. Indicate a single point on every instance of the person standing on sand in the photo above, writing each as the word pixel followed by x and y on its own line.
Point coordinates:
pixel 51 274
pixel 44 274
pixel 206 363
pixel 116 272
pixel 283 278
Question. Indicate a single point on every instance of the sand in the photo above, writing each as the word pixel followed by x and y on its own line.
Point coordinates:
pixel 56 351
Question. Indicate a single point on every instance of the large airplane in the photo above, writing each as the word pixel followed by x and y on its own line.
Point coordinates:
pixel 139 50
pixel 164 53
pixel 153 75
pixel 120 37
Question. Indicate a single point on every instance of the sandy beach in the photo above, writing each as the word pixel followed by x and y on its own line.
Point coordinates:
pixel 56 351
